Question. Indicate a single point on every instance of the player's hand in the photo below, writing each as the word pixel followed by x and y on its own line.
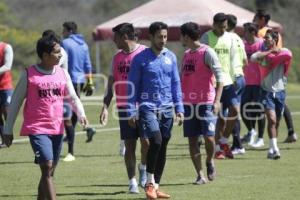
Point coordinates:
pixel 132 122
pixel 8 139
pixel 179 118
pixel 104 116
pixel 217 107
pixel 89 89
pixel 84 122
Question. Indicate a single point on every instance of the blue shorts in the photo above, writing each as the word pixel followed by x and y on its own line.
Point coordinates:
pixel 252 93
pixel 5 97
pixel 199 120
pixel 153 122
pixel 239 86
pixel 46 147
pixel 274 101
pixel 127 132
pixel 67 111
pixel 229 97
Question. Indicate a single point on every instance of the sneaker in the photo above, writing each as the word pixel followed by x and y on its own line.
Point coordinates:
pixel 3 146
pixel 247 137
pixel 274 155
pixel 134 189
pixel 219 155
pixel 252 138
pixel 200 181
pixel 122 148
pixel 259 143
pixel 211 172
pixel 142 177
pixel 227 151
pixel 150 191
pixel 162 195
pixel 69 158
pixel 291 138
pixel 236 151
pixel 90 132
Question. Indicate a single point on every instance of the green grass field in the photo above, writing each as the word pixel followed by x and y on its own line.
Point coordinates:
pixel 99 172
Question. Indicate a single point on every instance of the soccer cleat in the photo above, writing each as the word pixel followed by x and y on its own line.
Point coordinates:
pixel 219 155
pixel 291 138
pixel 273 155
pixel 69 158
pixel 162 195
pixel 134 189
pixel 142 177
pixel 211 172
pixel 259 143
pixel 200 181
pixel 276 155
pixel 227 151
pixel 236 151
pixel 150 191
pixel 90 132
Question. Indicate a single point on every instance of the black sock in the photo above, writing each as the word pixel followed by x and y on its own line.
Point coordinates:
pixel 161 161
pixel 70 132
pixel 153 152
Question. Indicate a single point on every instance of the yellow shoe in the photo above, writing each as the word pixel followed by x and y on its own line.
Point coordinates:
pixel 69 158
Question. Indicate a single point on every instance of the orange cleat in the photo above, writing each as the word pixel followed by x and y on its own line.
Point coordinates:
pixel 150 191
pixel 162 195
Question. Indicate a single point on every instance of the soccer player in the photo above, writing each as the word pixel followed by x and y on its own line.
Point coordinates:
pixel 200 69
pixel 224 45
pixel 80 70
pixel 125 40
pixel 44 87
pixel 275 63
pixel 6 87
pixel 154 85
pixel 239 83
pixel 262 18
pixel 251 96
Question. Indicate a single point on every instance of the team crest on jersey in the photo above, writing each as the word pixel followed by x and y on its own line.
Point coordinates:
pixel 168 61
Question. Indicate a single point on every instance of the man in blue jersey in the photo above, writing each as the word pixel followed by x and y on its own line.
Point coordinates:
pixel 154 85
pixel 80 70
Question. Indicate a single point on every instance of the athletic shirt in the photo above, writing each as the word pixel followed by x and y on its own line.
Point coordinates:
pixel 252 70
pixel 120 69
pixel 6 77
pixel 43 111
pixel 197 79
pixel 225 49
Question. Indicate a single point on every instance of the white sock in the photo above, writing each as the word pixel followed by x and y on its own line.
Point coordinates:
pixel 150 178
pixel 132 181
pixel 274 143
pixel 223 140
pixel 142 167
pixel 156 186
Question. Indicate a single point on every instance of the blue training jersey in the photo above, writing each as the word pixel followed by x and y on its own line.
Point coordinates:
pixel 154 82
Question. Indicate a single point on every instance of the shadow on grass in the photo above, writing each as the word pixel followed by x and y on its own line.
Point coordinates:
pixel 13 195
pixel 90 193
pixel 94 156
pixel 100 185
pixel 16 162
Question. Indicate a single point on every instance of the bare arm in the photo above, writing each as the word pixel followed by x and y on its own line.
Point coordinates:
pixel 8 59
